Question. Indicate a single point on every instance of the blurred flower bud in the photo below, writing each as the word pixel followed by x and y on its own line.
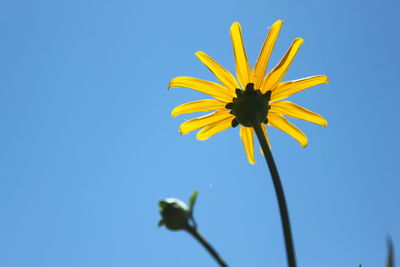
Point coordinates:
pixel 175 214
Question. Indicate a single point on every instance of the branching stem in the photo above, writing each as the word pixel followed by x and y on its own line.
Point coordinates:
pixel 206 245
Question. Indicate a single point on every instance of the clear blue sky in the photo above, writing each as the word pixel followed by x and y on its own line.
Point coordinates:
pixel 88 147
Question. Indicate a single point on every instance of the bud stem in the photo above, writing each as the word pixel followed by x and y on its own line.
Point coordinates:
pixel 279 194
pixel 206 245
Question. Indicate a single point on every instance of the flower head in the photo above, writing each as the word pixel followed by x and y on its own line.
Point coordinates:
pixel 252 97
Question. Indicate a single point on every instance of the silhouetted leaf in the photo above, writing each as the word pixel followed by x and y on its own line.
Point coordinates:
pixel 192 200
pixel 390 256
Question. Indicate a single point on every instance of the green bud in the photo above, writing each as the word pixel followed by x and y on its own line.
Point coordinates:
pixel 175 214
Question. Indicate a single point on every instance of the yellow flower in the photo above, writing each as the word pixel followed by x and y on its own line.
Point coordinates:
pixel 251 98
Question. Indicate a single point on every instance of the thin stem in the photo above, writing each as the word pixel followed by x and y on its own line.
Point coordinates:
pixel 206 245
pixel 291 258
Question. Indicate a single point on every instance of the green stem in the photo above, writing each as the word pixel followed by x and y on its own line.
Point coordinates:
pixel 206 245
pixel 279 194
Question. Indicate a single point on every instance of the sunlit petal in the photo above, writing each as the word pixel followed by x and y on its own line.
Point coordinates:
pixel 279 122
pixel 224 76
pixel 263 58
pixel 214 128
pixel 295 111
pixel 198 106
pixel 289 88
pixel 210 88
pixel 246 134
pixel 242 64
pixel 264 128
pixel 200 122
pixel 271 81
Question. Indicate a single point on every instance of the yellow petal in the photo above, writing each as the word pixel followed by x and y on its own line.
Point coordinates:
pixel 200 122
pixel 224 76
pixel 292 110
pixel 289 88
pixel 264 128
pixel 242 64
pixel 246 134
pixel 279 122
pixel 263 58
pixel 198 106
pixel 271 81
pixel 210 88
pixel 214 128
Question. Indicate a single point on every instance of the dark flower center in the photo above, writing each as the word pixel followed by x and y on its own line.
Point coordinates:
pixel 250 106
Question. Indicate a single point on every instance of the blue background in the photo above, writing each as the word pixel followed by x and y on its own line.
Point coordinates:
pixel 88 147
